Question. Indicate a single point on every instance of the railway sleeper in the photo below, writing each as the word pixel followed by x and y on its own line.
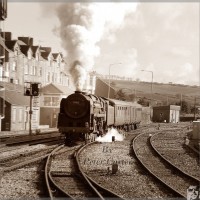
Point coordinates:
pixel 63 174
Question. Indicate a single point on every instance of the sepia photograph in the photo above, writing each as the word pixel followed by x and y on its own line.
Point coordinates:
pixel 100 99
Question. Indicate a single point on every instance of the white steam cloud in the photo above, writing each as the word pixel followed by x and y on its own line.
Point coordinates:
pixel 108 136
pixel 82 26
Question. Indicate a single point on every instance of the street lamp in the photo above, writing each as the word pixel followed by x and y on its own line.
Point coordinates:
pixel 151 84
pixel 109 77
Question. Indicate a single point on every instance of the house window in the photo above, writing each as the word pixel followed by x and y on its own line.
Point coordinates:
pixel 47 101
pixel 14 66
pixel 40 71
pixel 52 77
pixel 48 77
pixel 34 70
pixel 29 55
pixel 37 56
pixel 14 115
pixel 20 115
pixel 55 78
pixel 16 51
pixel 30 70
pixel 26 69
pixel 59 63
pixel 51 101
pixel 55 101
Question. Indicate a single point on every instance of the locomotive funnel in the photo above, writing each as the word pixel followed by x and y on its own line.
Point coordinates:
pixel 78 92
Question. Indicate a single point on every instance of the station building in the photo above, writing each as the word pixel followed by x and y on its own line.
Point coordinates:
pixel 102 89
pixel 50 98
pixel 15 108
pixel 169 114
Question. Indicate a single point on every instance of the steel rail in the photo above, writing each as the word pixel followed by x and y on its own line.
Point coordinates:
pixel 152 138
pixel 152 173
pixel 91 181
pixel 47 171
pixel 13 167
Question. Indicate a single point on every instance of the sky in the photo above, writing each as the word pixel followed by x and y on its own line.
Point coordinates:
pixel 161 38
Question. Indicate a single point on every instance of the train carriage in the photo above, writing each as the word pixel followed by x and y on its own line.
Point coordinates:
pixel 82 114
pixel 127 114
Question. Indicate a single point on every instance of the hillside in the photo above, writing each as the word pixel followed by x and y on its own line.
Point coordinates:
pixel 161 93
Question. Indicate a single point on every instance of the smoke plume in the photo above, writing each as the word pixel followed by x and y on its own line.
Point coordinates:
pixel 108 136
pixel 82 25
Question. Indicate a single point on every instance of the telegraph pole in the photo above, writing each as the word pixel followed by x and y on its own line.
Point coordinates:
pixel 194 108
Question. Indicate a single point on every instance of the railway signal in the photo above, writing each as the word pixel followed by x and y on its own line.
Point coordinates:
pixel 31 89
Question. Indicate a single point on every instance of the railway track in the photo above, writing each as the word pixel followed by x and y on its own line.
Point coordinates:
pixel 66 178
pixel 172 148
pixel 9 167
pixel 174 178
pixel 18 160
pixel 33 139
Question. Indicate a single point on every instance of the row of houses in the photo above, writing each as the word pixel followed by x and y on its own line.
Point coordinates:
pixel 22 62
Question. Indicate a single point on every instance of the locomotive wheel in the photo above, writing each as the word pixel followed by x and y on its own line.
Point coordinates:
pixel 135 126
pixel 68 139
pixel 87 138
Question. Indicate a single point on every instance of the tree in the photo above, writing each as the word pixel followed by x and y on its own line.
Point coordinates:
pixel 120 95
pixel 143 101
pixel 131 97
pixel 185 106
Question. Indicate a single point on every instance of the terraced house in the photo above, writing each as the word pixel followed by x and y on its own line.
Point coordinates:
pixel 23 63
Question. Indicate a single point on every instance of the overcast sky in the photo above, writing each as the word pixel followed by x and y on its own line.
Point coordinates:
pixel 159 37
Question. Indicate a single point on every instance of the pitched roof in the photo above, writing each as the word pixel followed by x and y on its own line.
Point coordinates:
pixel 2 43
pixel 46 49
pixel 104 82
pixel 13 94
pixel 45 55
pixel 45 52
pixel 55 55
pixel 34 49
pixel 56 89
pixel 24 49
pixel 10 44
pixel 21 42
pixel 65 89
pixel 15 98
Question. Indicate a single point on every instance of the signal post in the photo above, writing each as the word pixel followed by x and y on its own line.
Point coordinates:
pixel 31 89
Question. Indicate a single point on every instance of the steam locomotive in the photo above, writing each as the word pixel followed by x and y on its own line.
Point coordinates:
pixel 84 114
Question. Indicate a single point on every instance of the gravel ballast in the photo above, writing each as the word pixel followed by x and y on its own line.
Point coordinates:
pixel 130 181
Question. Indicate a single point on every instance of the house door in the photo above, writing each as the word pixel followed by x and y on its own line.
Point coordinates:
pixel 54 120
